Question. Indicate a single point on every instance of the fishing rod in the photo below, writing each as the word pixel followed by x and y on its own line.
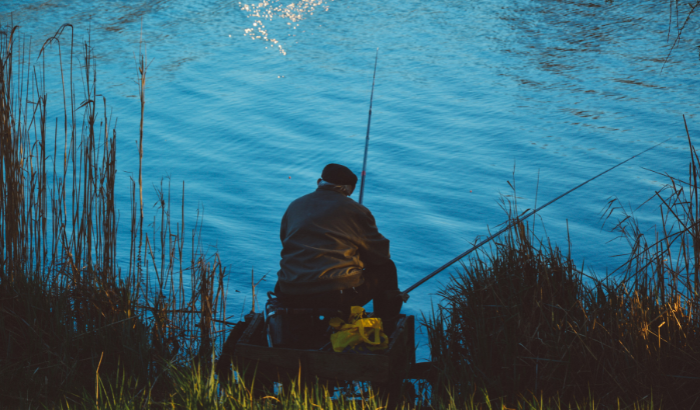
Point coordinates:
pixel 518 219
pixel 369 121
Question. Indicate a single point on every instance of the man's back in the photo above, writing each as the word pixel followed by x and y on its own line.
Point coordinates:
pixel 327 239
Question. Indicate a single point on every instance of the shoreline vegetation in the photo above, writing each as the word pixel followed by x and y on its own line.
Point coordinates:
pixel 70 317
pixel 520 325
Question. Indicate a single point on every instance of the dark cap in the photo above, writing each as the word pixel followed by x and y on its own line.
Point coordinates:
pixel 338 174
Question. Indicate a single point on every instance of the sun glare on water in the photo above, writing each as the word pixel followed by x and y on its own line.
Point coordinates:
pixel 262 14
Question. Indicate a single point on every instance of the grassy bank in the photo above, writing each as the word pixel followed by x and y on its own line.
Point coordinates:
pixel 522 320
pixel 521 326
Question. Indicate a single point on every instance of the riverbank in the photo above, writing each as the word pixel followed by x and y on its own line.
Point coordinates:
pixel 521 321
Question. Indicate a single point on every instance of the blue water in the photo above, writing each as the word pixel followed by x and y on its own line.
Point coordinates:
pixel 469 95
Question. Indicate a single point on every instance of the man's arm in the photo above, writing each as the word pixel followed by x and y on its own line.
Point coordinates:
pixel 373 247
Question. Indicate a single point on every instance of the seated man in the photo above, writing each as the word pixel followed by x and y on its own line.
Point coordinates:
pixel 332 253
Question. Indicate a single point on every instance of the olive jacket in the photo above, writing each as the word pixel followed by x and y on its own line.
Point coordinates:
pixel 327 239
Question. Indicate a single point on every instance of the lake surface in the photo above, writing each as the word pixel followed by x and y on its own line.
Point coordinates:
pixel 247 102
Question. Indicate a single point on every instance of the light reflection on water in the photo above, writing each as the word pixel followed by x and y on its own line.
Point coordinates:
pixel 262 13
pixel 466 92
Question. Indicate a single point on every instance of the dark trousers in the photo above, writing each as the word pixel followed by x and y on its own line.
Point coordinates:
pixel 381 286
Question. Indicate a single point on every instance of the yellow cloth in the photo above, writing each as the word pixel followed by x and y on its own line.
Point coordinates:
pixel 358 330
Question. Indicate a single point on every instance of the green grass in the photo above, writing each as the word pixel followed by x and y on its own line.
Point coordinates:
pixel 195 387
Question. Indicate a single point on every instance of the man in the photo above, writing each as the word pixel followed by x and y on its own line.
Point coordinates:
pixel 332 253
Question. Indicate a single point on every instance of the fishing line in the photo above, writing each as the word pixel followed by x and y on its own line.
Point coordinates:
pixel 513 222
pixel 369 121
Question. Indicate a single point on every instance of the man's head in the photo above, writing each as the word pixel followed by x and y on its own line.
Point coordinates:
pixel 337 174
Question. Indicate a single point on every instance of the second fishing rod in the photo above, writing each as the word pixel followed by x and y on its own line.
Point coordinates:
pixel 515 221
pixel 369 122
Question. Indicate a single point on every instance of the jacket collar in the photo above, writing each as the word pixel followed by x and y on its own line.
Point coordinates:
pixel 336 188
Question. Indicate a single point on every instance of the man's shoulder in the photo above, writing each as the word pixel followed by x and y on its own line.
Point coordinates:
pixel 308 199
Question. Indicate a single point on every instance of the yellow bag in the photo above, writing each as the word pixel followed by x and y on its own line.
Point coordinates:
pixel 358 330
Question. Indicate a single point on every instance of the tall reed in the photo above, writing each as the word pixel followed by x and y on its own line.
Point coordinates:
pixel 68 311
